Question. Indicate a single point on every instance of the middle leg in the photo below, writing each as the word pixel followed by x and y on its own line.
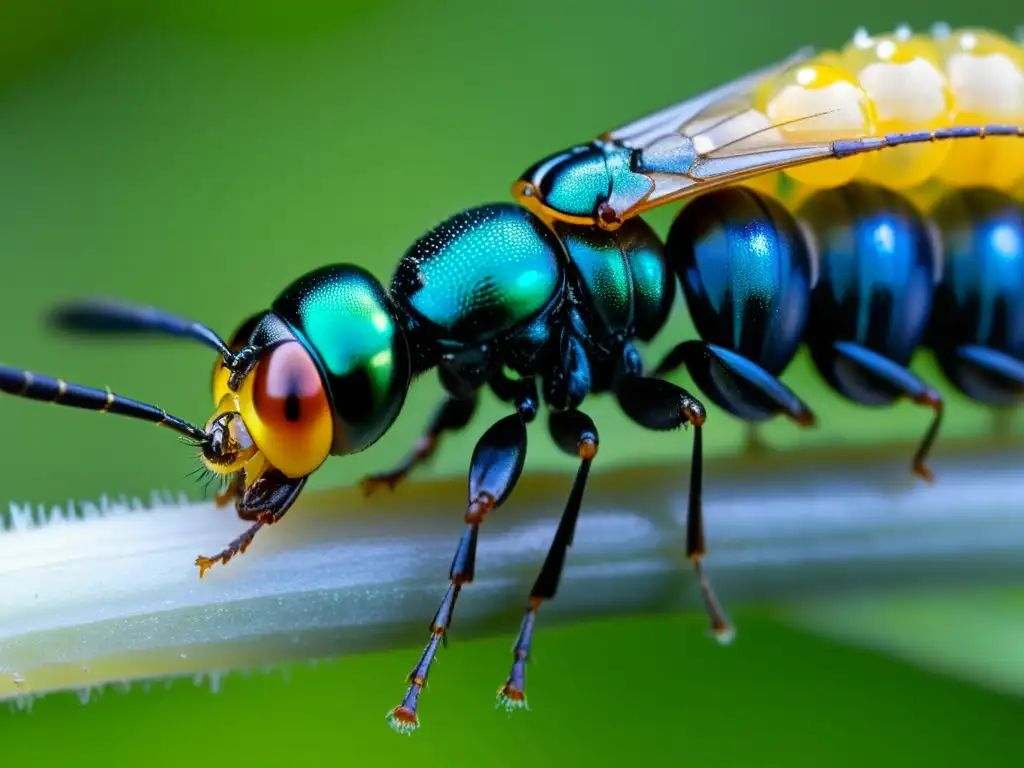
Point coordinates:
pixel 494 471
pixel 575 434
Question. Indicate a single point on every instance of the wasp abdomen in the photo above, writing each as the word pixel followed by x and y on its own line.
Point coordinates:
pixel 977 325
pixel 745 270
pixel 878 263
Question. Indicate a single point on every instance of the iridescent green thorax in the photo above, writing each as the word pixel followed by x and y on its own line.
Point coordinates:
pixel 480 274
pixel 342 314
pixel 622 282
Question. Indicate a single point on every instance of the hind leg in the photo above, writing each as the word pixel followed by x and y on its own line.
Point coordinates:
pixel 866 377
pixel 736 384
pixel 660 405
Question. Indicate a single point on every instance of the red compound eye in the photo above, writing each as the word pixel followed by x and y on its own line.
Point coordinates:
pixel 288 413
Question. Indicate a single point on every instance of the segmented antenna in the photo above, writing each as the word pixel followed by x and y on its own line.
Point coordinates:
pixel 22 383
pixel 848 147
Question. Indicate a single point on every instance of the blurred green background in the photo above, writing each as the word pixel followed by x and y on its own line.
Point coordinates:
pixel 199 155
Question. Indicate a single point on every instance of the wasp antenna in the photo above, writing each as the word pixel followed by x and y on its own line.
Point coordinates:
pixel 847 147
pixel 113 317
pixel 22 383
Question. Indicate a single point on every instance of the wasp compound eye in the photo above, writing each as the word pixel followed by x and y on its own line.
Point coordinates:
pixel 285 409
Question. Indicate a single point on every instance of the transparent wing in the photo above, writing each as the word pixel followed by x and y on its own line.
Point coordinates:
pixel 720 138
pixel 649 128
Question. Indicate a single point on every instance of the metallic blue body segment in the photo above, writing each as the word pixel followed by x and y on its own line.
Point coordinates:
pixel 654 283
pixel 977 326
pixel 745 270
pixel 877 265
pixel 601 279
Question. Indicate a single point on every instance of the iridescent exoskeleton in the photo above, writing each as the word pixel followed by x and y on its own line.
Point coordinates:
pixel 812 217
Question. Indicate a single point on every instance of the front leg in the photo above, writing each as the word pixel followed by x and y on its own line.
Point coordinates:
pixel 265 502
pixel 233 491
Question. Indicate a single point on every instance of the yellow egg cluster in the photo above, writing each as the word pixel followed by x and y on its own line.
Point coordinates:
pixel 904 82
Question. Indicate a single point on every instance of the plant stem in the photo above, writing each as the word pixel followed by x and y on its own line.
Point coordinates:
pixel 116 597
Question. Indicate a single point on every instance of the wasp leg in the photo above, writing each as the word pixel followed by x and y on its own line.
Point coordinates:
pixel 868 378
pixel 232 492
pixel 574 432
pixel 265 502
pixel 494 470
pixel 737 385
pixel 753 443
pixel 672 360
pixel 984 374
pixel 659 405
pixel 693 353
pixel 987 376
pixel 452 415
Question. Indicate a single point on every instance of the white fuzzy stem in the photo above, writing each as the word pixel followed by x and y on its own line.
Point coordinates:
pixel 116 597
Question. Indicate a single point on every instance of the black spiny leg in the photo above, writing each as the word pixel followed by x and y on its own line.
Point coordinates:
pixel 452 415
pixel 576 435
pixel 265 502
pixel 660 405
pixel 494 470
